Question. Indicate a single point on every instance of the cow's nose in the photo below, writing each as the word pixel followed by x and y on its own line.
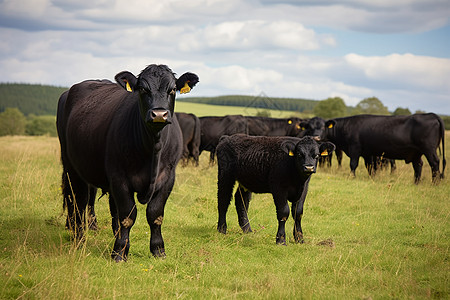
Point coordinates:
pixel 159 115
pixel 316 138
pixel 309 169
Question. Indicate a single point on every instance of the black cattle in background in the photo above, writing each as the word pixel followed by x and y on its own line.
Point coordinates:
pixel 281 166
pixel 315 127
pixel 393 137
pixel 266 126
pixel 123 138
pixel 213 128
pixel 191 129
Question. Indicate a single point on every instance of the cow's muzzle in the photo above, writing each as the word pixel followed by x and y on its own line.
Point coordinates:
pixel 159 116
pixel 309 169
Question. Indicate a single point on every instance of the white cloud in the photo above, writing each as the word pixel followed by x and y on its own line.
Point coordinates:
pixel 408 69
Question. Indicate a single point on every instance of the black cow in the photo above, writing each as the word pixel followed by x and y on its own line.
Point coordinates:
pixel 314 127
pixel 191 129
pixel 281 166
pixel 123 138
pixel 394 137
pixel 212 129
pixel 265 126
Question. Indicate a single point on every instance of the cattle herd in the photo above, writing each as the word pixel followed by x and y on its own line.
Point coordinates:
pixel 125 139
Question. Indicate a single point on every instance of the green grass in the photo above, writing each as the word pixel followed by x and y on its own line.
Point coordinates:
pixel 202 110
pixel 378 238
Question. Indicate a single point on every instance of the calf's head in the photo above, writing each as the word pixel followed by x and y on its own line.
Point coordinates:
pixel 306 153
pixel 156 88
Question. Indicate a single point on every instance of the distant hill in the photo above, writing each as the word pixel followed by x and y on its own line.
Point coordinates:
pixel 260 101
pixel 30 98
pixel 43 100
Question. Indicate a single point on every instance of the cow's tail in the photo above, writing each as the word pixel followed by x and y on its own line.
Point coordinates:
pixel 444 162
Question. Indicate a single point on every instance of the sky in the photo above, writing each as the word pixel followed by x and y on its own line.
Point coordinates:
pixel 397 51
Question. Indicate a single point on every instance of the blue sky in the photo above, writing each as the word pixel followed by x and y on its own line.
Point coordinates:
pixel 397 51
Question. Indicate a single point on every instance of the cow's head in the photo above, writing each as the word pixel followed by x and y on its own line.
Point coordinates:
pixel 313 127
pixel 306 153
pixel 329 129
pixel 156 87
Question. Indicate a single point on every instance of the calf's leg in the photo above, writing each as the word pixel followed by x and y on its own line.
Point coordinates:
pixel 242 201
pixel 224 192
pixel 282 215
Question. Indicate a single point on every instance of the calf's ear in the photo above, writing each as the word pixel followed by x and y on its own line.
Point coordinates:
pixel 326 148
pixel 288 147
pixel 186 82
pixel 126 80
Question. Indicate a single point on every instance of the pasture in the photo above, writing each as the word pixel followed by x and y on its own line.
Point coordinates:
pixel 365 238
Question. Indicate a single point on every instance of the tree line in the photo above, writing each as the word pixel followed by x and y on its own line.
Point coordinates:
pixel 31 109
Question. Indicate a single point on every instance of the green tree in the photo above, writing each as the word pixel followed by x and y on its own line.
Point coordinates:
pixel 12 122
pixel 330 108
pixel 400 111
pixel 371 106
pixel 41 125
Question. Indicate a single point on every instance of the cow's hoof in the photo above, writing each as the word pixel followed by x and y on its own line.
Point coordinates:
pixel 281 241
pixel 118 258
pixel 159 253
pixel 222 229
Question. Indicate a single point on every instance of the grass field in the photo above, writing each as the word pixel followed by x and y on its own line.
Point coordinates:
pixel 365 238
pixel 202 110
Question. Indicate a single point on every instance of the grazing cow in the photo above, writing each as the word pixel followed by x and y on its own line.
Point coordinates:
pixel 212 128
pixel 191 129
pixel 123 138
pixel 281 166
pixel 265 126
pixel 394 137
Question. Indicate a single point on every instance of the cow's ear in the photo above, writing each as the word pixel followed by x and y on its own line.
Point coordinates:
pixel 186 82
pixel 288 147
pixel 330 123
pixel 126 80
pixel 303 125
pixel 326 148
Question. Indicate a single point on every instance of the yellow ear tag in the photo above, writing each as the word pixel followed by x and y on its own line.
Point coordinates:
pixel 128 87
pixel 290 122
pixel 330 126
pixel 324 153
pixel 291 153
pixel 303 128
pixel 185 89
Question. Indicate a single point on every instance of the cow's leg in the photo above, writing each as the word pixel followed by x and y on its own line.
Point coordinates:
pixel 433 160
pixel 393 165
pixel 338 153
pixel 155 216
pixel 125 208
pixel 92 218
pixel 417 165
pixel 242 201
pixel 354 160
pixel 75 192
pixel 211 156
pixel 282 215
pixel 114 215
pixel 225 186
